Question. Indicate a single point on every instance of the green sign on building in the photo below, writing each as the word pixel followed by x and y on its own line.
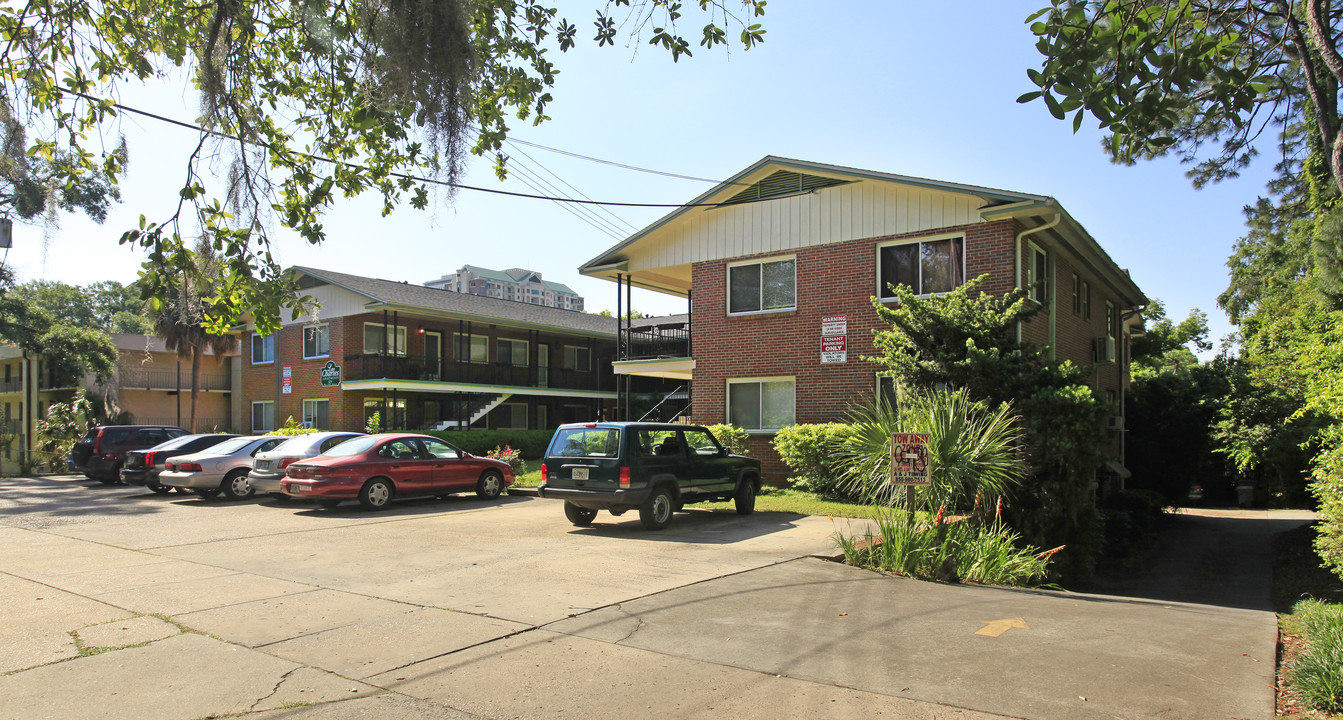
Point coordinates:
pixel 330 374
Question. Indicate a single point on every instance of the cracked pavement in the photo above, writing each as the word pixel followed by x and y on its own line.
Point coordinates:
pixel 119 603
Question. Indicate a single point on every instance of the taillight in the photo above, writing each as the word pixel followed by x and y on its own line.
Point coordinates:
pixel 149 459
pixel 284 463
pixel 189 467
pixel 624 477
pixel 319 470
pixel 543 472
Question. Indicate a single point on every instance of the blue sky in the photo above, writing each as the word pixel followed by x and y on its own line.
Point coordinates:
pixel 907 88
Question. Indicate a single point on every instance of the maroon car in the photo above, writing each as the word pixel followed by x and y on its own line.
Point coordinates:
pixel 376 468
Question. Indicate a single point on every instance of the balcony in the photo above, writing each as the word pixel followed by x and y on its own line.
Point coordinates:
pixel 138 378
pixel 668 340
pixel 418 367
pixel 11 385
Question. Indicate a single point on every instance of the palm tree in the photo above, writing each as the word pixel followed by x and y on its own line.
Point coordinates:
pixel 179 318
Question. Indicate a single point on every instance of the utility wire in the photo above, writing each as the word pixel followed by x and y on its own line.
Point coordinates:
pixel 584 195
pixel 622 165
pixel 417 178
pixel 527 176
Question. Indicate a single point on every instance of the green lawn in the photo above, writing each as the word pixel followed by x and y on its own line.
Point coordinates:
pixel 770 499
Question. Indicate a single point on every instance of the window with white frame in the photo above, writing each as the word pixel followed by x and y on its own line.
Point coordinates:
pixel 512 352
pixel 887 390
pixel 577 358
pixel 263 416
pixel 1077 295
pixel 263 349
pixel 760 403
pixel 316 341
pixel 471 348
pixel 925 266
pixel 1086 300
pixel 316 413
pixel 1037 274
pixel 765 286
pixel 511 416
pixel 382 339
pixel 1111 320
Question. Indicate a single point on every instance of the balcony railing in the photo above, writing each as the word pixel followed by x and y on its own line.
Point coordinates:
pixel 11 385
pixel 671 340
pixel 417 367
pixel 167 379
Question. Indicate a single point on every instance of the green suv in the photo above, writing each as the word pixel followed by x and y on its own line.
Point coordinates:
pixel 653 467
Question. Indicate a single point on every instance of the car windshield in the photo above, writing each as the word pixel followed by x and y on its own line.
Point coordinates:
pixel 586 442
pixel 228 447
pixel 176 442
pixel 296 444
pixel 352 447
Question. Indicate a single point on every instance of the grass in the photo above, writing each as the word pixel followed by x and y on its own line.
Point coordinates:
pixel 792 500
pixel 1309 601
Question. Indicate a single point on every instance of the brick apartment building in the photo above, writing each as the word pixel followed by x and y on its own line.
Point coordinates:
pixel 427 359
pixel 789 252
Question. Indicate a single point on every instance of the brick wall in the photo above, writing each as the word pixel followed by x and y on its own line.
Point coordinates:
pixel 832 280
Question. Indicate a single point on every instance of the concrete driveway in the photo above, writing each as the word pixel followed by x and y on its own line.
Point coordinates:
pixel 120 603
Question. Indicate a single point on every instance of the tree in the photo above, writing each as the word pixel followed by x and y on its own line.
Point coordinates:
pixel 180 318
pixel 38 186
pixel 1196 78
pixel 104 305
pixel 304 101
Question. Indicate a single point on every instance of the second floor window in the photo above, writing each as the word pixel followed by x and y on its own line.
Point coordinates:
pixel 472 348
pixel 577 358
pixel 926 266
pixel 263 349
pixel 512 352
pixel 762 286
pixel 316 341
pixel 384 339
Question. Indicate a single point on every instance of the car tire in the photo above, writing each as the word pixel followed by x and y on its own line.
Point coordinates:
pixel 656 513
pixel 580 516
pixel 744 498
pixel 376 494
pixel 490 485
pixel 160 489
pixel 236 485
pixel 207 493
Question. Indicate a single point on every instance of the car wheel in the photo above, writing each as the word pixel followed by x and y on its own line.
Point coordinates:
pixel 580 516
pixel 376 494
pixel 236 485
pixel 744 498
pixel 160 489
pixel 656 514
pixel 207 493
pixel 328 504
pixel 490 485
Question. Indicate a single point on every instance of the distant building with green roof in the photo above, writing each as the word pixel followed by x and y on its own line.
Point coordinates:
pixel 514 284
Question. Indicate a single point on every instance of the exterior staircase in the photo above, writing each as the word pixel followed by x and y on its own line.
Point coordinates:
pixel 477 409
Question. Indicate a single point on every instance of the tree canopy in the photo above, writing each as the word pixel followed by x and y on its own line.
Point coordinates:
pixel 304 102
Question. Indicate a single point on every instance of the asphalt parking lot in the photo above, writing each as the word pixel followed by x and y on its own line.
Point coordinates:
pixel 119 603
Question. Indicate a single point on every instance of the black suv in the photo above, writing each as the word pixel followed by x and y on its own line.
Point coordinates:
pixel 100 453
pixel 654 467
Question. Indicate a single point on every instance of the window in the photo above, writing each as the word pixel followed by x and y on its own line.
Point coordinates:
pixel 263 349
pixel 439 449
pixel 382 339
pixel 886 390
pixel 701 443
pixel 263 416
pixel 1111 320
pixel 316 413
pixel 471 348
pixel 577 358
pixel 925 266
pixel 763 404
pixel 316 341
pixel 586 442
pixel 1037 274
pixel 762 286
pixel 1077 295
pixel 1086 300
pixel 391 414
pixel 511 416
pixel 512 352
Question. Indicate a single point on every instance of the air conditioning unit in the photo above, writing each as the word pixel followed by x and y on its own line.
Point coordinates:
pixel 1115 423
pixel 1103 349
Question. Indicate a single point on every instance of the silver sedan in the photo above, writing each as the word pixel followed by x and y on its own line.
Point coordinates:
pixel 269 467
pixel 222 468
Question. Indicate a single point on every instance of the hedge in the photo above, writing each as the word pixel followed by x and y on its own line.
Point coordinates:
pixel 531 443
pixel 812 453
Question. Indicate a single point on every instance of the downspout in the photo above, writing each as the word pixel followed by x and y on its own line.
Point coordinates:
pixel 1058 217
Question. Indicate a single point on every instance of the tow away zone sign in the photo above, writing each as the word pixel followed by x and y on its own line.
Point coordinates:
pixel 909 459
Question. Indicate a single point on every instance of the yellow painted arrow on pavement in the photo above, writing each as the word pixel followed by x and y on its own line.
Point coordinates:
pixel 994 628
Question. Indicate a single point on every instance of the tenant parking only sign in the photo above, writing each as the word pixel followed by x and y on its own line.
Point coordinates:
pixel 834 339
pixel 909 459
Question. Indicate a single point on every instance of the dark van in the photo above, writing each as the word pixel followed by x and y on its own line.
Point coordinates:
pixel 102 450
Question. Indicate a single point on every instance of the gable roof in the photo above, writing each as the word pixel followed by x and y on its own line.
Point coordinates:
pixel 391 294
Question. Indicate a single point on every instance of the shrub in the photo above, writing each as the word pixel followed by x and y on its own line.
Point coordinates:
pixel 813 452
pixel 732 437
pixel 1317 673
pixel 292 428
pixel 1328 489
pixel 529 443
pixel 58 432
pixel 510 456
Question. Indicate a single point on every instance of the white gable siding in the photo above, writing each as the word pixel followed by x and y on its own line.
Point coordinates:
pixel 836 214
pixel 334 301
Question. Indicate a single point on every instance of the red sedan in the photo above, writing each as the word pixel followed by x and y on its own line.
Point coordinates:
pixel 376 468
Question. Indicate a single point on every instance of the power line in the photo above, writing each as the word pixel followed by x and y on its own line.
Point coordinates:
pixel 621 165
pixel 582 194
pixel 407 176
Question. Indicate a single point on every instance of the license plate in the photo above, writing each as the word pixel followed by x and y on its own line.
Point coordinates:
pixel 300 488
pixel 262 464
pixel 580 473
